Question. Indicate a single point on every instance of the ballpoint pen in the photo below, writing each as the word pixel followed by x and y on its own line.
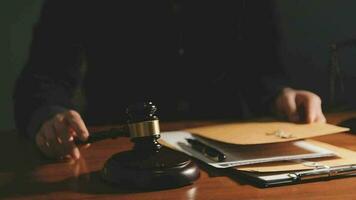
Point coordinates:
pixel 207 150
pixel 103 135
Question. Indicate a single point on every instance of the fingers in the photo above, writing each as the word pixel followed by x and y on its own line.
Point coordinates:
pixel 291 109
pixel 310 109
pixel 45 141
pixel 320 118
pixel 73 150
pixel 76 122
pixel 61 128
pixel 286 105
pixel 312 106
pixel 65 139
pixel 43 144
pixel 67 149
pixel 56 136
pixel 300 106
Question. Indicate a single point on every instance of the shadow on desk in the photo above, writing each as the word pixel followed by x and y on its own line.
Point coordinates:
pixel 24 172
pixel 87 183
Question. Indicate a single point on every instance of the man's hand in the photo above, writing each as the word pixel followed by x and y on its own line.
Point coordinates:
pixel 300 106
pixel 56 136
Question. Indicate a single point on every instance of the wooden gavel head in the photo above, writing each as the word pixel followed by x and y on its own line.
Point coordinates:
pixel 142 120
pixel 143 126
pixel 149 165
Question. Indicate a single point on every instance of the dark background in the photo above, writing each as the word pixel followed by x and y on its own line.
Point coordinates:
pixel 307 28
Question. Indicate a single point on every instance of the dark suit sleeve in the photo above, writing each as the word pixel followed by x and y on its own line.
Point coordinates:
pixel 264 75
pixel 52 71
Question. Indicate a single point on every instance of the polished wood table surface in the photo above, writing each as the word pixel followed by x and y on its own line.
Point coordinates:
pixel 24 174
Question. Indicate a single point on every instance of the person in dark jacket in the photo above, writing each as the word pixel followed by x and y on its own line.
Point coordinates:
pixel 194 59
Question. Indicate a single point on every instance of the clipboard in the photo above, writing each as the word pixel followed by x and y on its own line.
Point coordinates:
pixel 301 171
pixel 295 177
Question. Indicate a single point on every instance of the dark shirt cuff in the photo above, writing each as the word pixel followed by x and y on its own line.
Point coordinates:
pixel 40 116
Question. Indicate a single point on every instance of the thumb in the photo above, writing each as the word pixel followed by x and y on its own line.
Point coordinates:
pixel 77 124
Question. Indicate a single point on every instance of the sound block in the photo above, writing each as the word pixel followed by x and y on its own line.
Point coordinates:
pixel 150 169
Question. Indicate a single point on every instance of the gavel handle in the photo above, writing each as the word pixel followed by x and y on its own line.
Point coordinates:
pixel 103 135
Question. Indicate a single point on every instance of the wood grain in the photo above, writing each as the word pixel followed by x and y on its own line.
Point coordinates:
pixel 24 174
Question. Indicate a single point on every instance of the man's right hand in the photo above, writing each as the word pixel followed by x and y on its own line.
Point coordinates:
pixel 56 136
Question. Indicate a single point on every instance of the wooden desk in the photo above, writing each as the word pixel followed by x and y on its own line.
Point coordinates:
pixel 25 175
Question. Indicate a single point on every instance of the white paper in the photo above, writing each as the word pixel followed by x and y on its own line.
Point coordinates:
pixel 234 157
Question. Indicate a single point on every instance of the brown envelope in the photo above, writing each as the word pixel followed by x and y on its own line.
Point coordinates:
pixel 246 133
pixel 345 157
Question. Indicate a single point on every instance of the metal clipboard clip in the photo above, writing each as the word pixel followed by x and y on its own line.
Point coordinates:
pixel 326 172
pixel 318 173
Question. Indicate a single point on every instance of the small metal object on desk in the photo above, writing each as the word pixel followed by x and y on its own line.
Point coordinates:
pixel 282 134
pixel 344 170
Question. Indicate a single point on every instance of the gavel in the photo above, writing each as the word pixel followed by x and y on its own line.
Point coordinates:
pixel 149 165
